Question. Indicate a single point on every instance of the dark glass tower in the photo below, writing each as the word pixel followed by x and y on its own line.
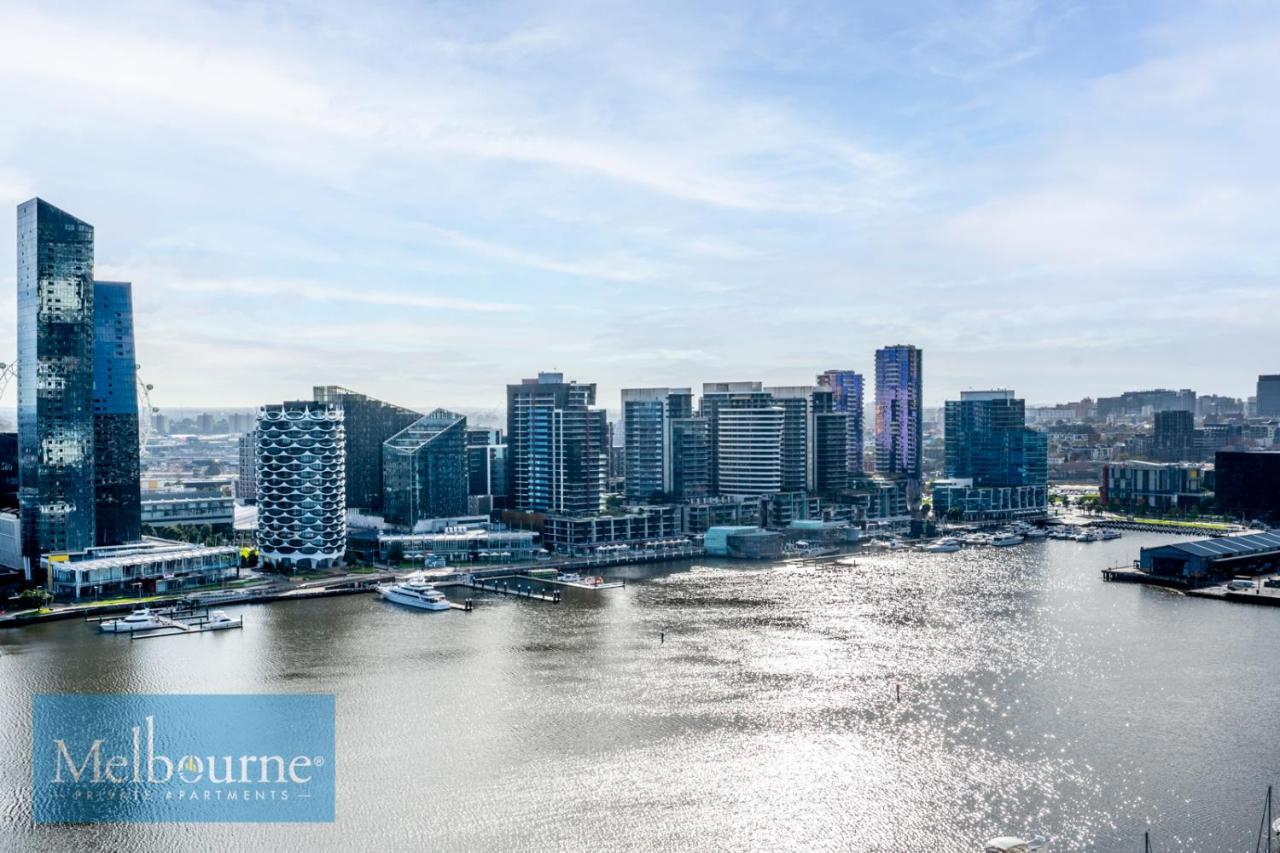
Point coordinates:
pixel 55 380
pixel 986 438
pixel 115 416
pixel 425 470
pixel 368 424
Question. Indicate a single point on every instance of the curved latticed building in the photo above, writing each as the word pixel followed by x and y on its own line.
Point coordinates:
pixel 302 503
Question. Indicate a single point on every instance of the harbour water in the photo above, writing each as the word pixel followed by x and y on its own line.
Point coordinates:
pixel 1034 697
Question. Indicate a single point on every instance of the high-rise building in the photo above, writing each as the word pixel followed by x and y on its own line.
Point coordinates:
pixel 1174 436
pixel 996 467
pixel 648 419
pixel 746 431
pixel 690 458
pixel 1268 405
pixel 556 446
pixel 847 398
pixel 798 455
pixel 367 424
pixel 302 504
pixel 117 487
pixel 899 416
pixel 247 473
pixel 424 469
pixel 985 438
pixel 831 437
pixel 719 396
pixel 486 462
pixel 55 380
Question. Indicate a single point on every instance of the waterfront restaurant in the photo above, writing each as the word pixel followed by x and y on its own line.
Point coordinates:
pixel 142 568
pixel 1205 559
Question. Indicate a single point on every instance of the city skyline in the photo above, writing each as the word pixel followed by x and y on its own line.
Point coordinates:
pixel 987 183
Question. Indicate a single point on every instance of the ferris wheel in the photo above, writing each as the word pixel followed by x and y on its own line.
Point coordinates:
pixel 146 411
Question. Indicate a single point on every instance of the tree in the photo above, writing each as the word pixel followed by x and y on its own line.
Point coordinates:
pixel 395 553
pixel 955 514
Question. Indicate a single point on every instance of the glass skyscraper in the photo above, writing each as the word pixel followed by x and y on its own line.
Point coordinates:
pixel 55 380
pixel 986 438
pixel 367 424
pixel 424 469
pixel 899 411
pixel 115 415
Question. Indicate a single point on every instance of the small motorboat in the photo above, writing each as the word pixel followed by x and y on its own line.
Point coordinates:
pixel 1013 844
pixel 1110 534
pixel 142 619
pixel 219 620
pixel 1004 540
pixel 943 546
pixel 571 577
pixel 1035 533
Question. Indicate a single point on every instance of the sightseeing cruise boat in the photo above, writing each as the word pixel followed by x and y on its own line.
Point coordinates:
pixel 142 619
pixel 414 591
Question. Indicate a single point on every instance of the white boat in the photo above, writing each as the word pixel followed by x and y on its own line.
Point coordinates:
pixel 1088 536
pixel 570 577
pixel 1004 540
pixel 414 591
pixel 1012 844
pixel 977 539
pixel 943 546
pixel 1110 534
pixel 1035 533
pixel 142 619
pixel 218 621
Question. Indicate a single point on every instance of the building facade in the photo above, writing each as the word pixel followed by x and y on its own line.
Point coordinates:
pixel 899 414
pixel 996 467
pixel 690 458
pixel 557 446
pixel 367 424
pixel 1174 436
pixel 648 417
pixel 55 381
pixel 1247 483
pixel 745 438
pixel 302 505
pixel 1268 400
pixel 118 502
pixel 425 470
pixel 247 469
pixel 847 398
pixel 1157 485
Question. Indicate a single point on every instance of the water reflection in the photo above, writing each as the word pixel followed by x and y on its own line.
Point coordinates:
pixel 1032 697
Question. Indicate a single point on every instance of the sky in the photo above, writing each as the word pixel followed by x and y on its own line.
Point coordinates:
pixel 426 201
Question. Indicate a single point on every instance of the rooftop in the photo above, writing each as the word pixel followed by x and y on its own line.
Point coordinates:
pixel 1227 546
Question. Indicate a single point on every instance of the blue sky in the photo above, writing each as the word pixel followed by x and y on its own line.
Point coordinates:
pixel 425 201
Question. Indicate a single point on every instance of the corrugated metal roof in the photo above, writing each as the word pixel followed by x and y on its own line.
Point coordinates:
pixel 1226 546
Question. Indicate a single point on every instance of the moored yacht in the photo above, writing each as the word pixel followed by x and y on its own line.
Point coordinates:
pixel 142 619
pixel 219 620
pixel 946 545
pixel 1005 538
pixel 414 591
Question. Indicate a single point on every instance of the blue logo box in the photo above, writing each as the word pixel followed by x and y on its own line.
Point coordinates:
pixel 177 758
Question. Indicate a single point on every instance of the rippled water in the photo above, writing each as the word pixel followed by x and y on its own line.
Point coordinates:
pixel 1033 697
